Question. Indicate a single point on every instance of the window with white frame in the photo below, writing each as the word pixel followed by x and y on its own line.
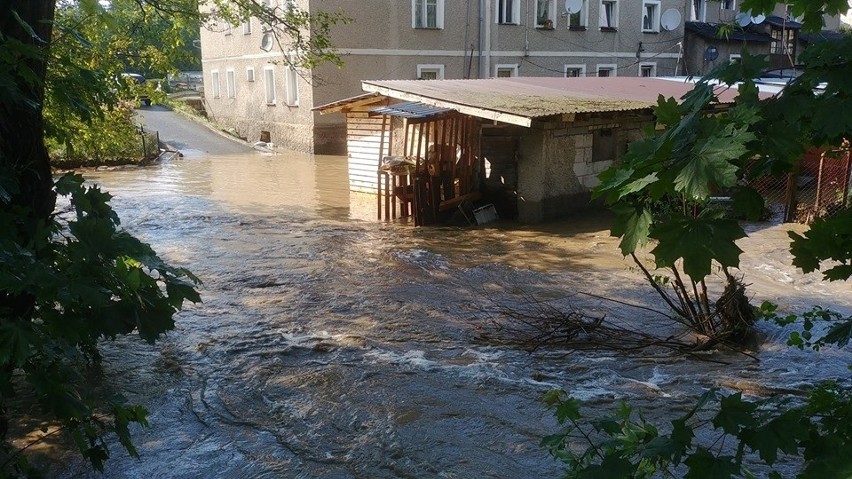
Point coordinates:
pixel 651 16
pixel 229 29
pixel 250 74
pixel 545 14
pixel 729 4
pixel 247 27
pixel 214 83
pixel 506 70
pixel 430 72
pixel 606 70
pixel 230 83
pixel 699 11
pixel 578 70
pixel 508 12
pixel 291 79
pixel 269 84
pixel 609 15
pixel 734 57
pixel 579 20
pixel 648 69
pixel 427 13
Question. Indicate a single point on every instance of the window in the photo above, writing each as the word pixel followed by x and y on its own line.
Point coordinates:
pixel 508 11
pixel 229 29
pixel 545 14
pixel 729 4
pixel 269 84
pixel 575 70
pixel 430 72
pixel 607 70
pixel 647 70
pixel 247 27
pixel 603 145
pixel 291 78
pixel 699 11
pixel 734 57
pixel 784 41
pixel 427 13
pixel 609 15
pixel 230 83
pixel 506 70
pixel 250 74
pixel 577 20
pixel 214 83
pixel 651 16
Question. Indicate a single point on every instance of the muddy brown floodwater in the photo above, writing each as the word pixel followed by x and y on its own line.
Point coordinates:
pixel 330 345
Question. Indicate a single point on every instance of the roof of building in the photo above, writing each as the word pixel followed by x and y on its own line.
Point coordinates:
pixel 711 31
pixel 520 100
pixel 411 110
pixel 826 35
pixel 783 22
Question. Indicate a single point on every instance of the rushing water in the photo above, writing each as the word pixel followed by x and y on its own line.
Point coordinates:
pixel 331 345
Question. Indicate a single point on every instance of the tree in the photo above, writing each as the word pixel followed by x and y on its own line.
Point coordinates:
pixel 68 281
pixel 661 193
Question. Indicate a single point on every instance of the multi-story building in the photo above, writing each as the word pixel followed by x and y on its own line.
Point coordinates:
pixel 249 87
pixel 707 43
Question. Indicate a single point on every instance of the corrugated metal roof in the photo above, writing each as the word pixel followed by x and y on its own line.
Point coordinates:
pixel 519 100
pixel 710 31
pixel 411 110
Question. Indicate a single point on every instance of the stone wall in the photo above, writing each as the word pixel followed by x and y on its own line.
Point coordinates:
pixel 557 168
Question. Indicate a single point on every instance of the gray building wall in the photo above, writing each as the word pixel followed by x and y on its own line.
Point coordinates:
pixel 381 43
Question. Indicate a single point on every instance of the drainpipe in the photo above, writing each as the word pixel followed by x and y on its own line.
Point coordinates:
pixel 487 23
pixel 480 40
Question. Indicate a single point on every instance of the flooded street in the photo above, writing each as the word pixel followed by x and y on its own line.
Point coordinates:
pixel 330 345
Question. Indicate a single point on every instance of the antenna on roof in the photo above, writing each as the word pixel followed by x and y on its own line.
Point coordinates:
pixel 670 19
pixel 266 42
pixel 757 20
pixel 573 6
pixel 743 19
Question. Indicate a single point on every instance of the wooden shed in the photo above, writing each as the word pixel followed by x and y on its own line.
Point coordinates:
pixel 531 146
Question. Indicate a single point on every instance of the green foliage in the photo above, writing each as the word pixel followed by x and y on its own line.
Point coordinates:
pixel 829 239
pixel 88 280
pixel 111 136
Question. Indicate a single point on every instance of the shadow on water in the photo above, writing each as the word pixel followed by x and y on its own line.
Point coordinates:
pixel 331 345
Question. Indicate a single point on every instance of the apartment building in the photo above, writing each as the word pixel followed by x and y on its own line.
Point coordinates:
pixel 251 90
pixel 248 86
pixel 706 44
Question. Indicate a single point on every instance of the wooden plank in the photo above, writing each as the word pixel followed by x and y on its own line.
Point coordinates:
pixel 454 202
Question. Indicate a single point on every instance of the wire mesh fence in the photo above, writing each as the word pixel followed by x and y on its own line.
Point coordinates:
pixel 821 186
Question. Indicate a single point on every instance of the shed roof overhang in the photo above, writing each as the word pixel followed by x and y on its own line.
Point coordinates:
pixel 479 112
pixel 413 110
pixel 348 103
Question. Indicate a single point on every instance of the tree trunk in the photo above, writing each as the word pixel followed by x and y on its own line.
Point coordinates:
pixel 22 150
pixel 23 156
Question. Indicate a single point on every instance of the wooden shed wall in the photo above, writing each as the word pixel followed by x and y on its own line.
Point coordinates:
pixel 363 139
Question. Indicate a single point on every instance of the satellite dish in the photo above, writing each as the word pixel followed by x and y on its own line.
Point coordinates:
pixel 267 42
pixel 758 19
pixel 711 54
pixel 573 6
pixel 670 19
pixel 743 19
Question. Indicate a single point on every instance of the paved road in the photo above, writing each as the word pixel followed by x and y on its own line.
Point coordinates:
pixel 192 138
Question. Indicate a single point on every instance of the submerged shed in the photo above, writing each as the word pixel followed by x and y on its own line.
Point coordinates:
pixel 531 146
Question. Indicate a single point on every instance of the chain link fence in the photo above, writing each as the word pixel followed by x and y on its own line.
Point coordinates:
pixel 820 187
